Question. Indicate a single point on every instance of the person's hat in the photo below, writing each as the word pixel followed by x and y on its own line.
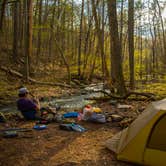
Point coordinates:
pixel 23 91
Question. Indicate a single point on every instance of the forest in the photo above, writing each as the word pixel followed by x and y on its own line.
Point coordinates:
pixel 61 48
pixel 120 43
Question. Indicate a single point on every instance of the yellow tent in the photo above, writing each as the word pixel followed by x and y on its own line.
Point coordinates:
pixel 144 141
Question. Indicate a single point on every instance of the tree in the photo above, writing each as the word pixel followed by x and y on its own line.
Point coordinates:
pixel 28 37
pixel 116 63
pixel 131 40
pixel 80 40
pixel 100 35
pixel 121 25
pixel 163 29
pixel 39 31
pixel 15 30
pixel 2 13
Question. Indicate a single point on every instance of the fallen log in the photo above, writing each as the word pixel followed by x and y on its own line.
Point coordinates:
pixel 147 95
pixel 19 75
pixel 11 72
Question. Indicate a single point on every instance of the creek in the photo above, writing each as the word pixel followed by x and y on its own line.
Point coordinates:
pixel 72 102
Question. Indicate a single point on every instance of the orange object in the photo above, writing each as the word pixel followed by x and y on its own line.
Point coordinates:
pixel 88 106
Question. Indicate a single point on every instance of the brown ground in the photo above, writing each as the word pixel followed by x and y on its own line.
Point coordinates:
pixel 55 147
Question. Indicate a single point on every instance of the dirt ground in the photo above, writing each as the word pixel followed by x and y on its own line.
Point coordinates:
pixel 55 147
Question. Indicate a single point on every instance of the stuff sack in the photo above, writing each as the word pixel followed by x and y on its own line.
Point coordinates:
pixel 40 127
pixel 71 115
pixel 100 118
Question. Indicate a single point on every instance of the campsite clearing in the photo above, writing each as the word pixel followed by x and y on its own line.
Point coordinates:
pixel 55 147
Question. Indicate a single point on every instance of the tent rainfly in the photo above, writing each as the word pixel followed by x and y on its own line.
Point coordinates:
pixel 144 141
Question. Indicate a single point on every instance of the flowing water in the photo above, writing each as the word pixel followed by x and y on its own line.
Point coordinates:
pixel 76 101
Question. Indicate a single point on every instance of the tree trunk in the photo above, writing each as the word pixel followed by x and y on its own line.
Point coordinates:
pixel 100 36
pixel 2 14
pixel 39 31
pixel 25 31
pixel 121 26
pixel 116 63
pixel 51 32
pixel 131 40
pixel 30 32
pixel 28 36
pixel 163 30
pixel 16 30
pixel 80 40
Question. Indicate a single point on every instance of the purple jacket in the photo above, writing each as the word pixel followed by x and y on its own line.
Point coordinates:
pixel 24 105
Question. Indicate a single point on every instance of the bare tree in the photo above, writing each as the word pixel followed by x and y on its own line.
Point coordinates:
pixel 131 40
pixel 15 30
pixel 80 40
pixel 2 13
pixel 28 36
pixel 116 63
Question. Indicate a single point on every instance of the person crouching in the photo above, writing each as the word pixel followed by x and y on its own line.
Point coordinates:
pixel 28 107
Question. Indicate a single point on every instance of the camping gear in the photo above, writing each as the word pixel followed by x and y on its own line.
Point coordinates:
pixel 99 118
pixel 16 129
pixel 97 110
pixel 78 128
pixel 93 117
pixel 90 113
pixel 80 117
pixel 87 112
pixel 87 108
pixel 68 121
pixel 72 127
pixel 59 118
pixel 10 134
pixel 40 127
pixel 70 115
pixel 144 141
pixel 43 122
pixel 13 132
pixel 65 127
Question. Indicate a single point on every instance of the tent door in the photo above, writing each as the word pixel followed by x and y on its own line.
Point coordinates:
pixel 154 157
pixel 155 150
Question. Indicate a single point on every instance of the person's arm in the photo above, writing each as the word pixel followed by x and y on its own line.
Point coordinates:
pixel 37 103
pixel 34 105
pixel 37 107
